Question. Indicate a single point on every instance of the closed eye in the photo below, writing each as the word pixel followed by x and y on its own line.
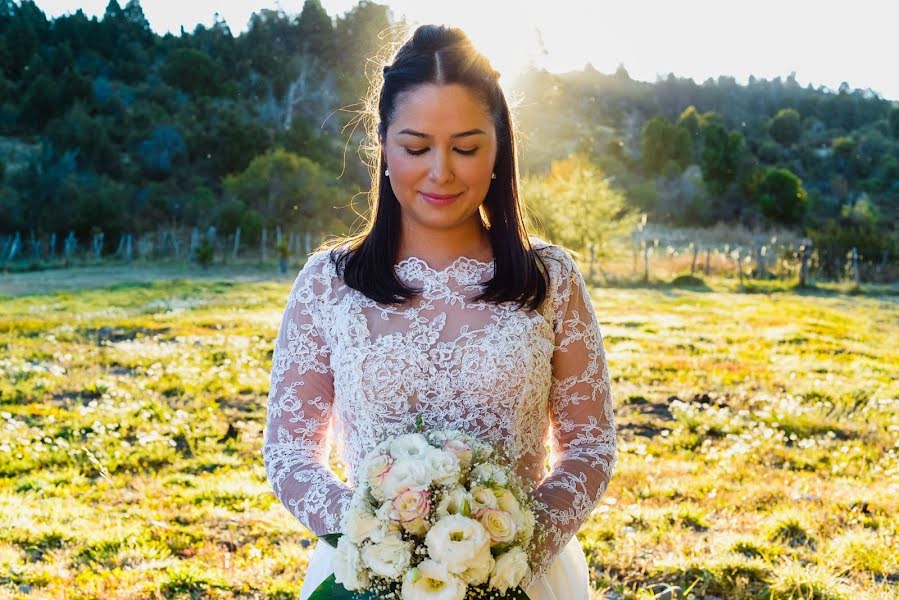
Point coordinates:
pixel 423 150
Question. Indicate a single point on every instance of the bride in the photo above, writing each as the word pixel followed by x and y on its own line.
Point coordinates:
pixel 444 310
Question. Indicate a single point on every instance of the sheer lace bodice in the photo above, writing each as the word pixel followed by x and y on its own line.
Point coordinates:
pixel 350 369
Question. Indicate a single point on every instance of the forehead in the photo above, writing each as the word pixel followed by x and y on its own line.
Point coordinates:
pixel 437 109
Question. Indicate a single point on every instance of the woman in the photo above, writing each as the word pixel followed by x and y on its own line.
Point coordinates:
pixel 444 310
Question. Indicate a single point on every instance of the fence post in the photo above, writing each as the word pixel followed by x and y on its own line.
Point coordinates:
pixel 695 248
pixel 70 244
pixel 708 260
pixel 855 273
pixel 97 242
pixel 236 247
pixel 645 248
pixel 262 244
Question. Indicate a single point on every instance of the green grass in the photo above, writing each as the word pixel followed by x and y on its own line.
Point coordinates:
pixel 757 437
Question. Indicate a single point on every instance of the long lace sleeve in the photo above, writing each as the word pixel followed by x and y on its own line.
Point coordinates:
pixel 584 444
pixel 296 445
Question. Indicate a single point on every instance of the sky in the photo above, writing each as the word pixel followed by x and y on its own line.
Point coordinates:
pixel 825 42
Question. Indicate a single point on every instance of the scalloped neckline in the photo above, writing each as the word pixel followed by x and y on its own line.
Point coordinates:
pixel 453 266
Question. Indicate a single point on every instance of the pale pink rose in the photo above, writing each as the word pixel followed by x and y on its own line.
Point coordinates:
pixel 461 449
pixel 377 466
pixel 411 504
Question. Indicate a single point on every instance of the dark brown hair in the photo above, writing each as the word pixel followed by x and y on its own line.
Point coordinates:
pixel 442 55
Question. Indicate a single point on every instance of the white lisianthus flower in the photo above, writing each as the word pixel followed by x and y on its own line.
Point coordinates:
pixel 388 558
pixel 409 445
pixel 498 523
pixel 445 467
pixel 347 565
pixel 457 542
pixel 489 473
pixel 431 580
pixel 438 438
pixel 455 501
pixel 479 569
pixel 406 474
pixel 482 497
pixel 510 569
pixel 361 524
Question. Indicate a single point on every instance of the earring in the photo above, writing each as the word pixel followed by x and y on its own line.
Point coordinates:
pixel 493 176
pixel 386 172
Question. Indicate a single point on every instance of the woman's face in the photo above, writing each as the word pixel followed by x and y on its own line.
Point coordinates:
pixel 440 149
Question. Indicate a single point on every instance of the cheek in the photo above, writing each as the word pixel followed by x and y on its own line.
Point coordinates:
pixel 405 168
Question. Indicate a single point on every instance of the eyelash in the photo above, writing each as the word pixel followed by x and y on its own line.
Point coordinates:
pixel 423 150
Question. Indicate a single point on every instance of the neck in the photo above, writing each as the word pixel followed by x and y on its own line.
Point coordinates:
pixel 441 247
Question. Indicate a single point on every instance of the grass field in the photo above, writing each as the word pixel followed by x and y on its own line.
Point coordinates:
pixel 758 438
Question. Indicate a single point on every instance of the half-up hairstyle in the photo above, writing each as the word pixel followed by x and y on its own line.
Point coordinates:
pixel 441 55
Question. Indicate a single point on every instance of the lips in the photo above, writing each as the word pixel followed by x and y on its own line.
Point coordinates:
pixel 439 199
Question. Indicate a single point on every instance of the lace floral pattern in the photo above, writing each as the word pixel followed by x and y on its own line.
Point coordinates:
pixel 349 369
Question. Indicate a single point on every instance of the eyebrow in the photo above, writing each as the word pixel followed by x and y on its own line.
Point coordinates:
pixel 455 135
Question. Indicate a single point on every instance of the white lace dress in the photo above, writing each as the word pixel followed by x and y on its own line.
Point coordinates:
pixel 348 369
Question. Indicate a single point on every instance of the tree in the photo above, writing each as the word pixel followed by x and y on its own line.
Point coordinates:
pixel 781 196
pixel 574 205
pixel 316 32
pixel 192 71
pixel 286 189
pixel 894 121
pixel 785 127
pixel 664 142
pixel 359 39
pixel 720 156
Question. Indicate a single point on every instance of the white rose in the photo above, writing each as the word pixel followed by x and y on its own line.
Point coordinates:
pixel 409 445
pixel 457 542
pixel 431 580
pixel 510 568
pixel 347 565
pixel 445 467
pixel 489 473
pixel 406 474
pixel 498 523
pixel 529 521
pixel 524 519
pixel 482 497
pixel 388 558
pixel 455 501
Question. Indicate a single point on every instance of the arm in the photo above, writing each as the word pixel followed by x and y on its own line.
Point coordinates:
pixel 296 447
pixel 584 443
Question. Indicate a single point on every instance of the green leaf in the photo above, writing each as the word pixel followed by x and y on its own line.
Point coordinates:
pixel 330 538
pixel 329 589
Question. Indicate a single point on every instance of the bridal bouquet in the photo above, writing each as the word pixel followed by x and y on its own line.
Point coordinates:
pixel 435 516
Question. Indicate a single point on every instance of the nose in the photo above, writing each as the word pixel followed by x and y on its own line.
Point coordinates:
pixel 441 168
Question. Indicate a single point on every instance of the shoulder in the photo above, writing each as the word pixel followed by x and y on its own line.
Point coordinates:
pixel 314 282
pixel 557 259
